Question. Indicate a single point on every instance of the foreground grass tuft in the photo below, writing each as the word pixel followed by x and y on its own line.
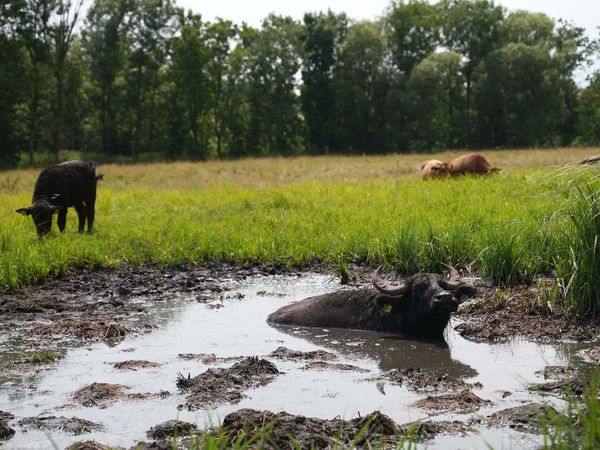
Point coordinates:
pixel 579 428
pixel 578 264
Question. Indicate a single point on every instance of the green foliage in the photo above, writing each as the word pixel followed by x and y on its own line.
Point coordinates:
pixel 579 263
pixel 580 426
pixel 142 79
pixel 502 225
pixel 589 113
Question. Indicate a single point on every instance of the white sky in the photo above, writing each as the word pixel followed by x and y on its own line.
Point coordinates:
pixel 585 13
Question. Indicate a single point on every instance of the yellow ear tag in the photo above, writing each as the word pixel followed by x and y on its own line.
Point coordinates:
pixel 387 308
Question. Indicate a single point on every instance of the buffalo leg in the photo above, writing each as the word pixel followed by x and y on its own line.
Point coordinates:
pixel 81 214
pixel 91 212
pixel 62 219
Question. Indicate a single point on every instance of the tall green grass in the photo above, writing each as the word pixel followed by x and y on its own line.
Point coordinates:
pixel 579 427
pixel 509 227
pixel 493 224
pixel 578 265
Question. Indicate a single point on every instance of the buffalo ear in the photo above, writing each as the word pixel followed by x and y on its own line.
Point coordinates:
pixel 24 211
pixel 388 303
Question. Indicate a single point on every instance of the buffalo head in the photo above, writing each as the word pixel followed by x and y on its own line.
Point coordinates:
pixel 41 212
pixel 422 304
pixel 434 168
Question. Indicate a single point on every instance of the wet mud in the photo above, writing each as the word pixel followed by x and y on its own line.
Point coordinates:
pixel 102 395
pixel 108 305
pixel 225 385
pixel 463 401
pixel 119 308
pixel 91 445
pixel 529 418
pixel 520 312
pixel 71 425
pixel 297 355
pixel 296 431
pixel 425 380
pixel 132 364
pixel 172 429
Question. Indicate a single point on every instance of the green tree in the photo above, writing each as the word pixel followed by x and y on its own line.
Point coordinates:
pixel 189 60
pixel 413 31
pixel 65 18
pixel 321 36
pixel 572 49
pixel 589 112
pixel 362 83
pixel 35 31
pixel 104 40
pixel 519 97
pixel 220 37
pixel 524 27
pixel 472 28
pixel 11 76
pixel 269 72
pixel 151 26
pixel 437 91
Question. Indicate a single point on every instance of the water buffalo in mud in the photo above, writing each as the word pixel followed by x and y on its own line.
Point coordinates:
pixel 71 183
pixel 434 168
pixel 420 306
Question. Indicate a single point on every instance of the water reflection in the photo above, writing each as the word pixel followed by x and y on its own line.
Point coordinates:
pixel 390 351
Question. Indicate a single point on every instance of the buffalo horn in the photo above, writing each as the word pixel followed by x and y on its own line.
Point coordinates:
pixel 382 286
pixel 454 281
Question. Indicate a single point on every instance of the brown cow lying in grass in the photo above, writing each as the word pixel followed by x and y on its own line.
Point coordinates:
pixel 474 163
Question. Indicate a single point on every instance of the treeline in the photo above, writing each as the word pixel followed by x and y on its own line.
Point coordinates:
pixel 139 77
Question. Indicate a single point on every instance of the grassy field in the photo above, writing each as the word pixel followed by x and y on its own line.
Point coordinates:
pixel 292 211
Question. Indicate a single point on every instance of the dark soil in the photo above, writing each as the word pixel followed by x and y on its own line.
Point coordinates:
pixel 309 432
pixel 71 425
pixel 6 432
pixel 91 445
pixel 323 365
pixel 209 359
pixel 102 395
pixel 519 312
pixel 567 387
pixel 296 355
pixel 463 401
pixel 134 364
pixel 226 385
pixel 429 429
pixel 557 372
pixel 528 418
pixel 591 355
pixel 421 380
pixel 171 429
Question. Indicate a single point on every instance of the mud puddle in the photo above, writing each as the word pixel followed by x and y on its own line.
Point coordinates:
pixel 320 373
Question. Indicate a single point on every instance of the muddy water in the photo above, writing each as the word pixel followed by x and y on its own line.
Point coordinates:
pixel 238 328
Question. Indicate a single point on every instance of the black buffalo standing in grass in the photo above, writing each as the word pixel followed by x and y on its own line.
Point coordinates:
pixel 72 183
pixel 419 307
